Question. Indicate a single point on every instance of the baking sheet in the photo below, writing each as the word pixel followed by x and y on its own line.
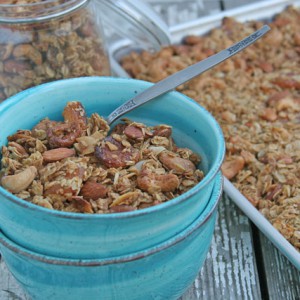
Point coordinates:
pixel 256 11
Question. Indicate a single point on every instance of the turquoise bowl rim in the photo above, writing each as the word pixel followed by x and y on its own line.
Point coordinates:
pixel 201 219
pixel 15 99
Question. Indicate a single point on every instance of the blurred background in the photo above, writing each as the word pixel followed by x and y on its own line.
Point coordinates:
pixel 179 11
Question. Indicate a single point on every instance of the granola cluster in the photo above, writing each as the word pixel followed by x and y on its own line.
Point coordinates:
pixel 79 165
pixel 38 52
pixel 255 98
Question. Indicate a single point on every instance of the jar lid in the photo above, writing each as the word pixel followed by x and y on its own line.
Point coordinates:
pixel 137 21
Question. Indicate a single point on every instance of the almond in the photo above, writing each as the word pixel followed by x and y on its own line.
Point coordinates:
pixel 83 205
pixel 58 154
pixel 93 190
pixel 231 168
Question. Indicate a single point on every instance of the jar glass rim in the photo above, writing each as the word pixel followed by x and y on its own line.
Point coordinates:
pixel 39 11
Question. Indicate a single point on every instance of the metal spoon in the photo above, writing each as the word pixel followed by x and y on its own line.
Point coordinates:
pixel 184 75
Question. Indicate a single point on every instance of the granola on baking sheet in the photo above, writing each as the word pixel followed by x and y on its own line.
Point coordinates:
pixel 255 96
pixel 79 165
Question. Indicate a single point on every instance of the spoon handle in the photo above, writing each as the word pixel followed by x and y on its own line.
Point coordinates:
pixel 184 75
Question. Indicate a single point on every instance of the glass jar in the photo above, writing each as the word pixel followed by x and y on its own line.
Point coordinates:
pixel 46 40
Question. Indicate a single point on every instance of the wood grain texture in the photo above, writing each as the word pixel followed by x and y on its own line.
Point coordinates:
pixel 281 277
pixel 9 288
pixel 230 268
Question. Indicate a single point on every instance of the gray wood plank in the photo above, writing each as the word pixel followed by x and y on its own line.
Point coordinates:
pixel 282 277
pixel 228 4
pixel 9 288
pixel 230 268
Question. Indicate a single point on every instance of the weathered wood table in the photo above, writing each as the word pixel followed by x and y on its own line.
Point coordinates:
pixel 241 264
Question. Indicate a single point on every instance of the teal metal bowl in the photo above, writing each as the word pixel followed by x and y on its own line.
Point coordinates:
pixel 70 235
pixel 164 271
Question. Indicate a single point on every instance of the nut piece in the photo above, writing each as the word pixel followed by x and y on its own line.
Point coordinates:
pixel 75 124
pixel 63 135
pixel 163 130
pixel 114 155
pixel 20 181
pixel 232 167
pixel 126 199
pixel 269 114
pixel 177 164
pixel 57 154
pixel 152 183
pixel 83 205
pixel 74 113
pixel 93 190
pixel 19 150
pixel 134 132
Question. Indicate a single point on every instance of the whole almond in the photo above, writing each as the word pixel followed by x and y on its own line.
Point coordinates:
pixel 93 190
pixel 58 154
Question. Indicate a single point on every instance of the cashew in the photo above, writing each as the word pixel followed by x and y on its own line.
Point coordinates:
pixel 152 183
pixel 20 181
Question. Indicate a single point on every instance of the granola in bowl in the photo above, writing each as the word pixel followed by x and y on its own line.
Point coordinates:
pixel 82 165
pixel 255 97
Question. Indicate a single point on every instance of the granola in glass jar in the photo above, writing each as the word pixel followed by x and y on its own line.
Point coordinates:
pixel 42 41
